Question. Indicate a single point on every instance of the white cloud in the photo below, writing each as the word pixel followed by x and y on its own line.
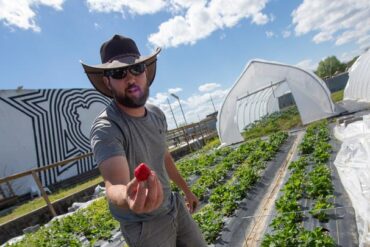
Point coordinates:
pixel 179 5
pixel 342 21
pixel 202 105
pixel 322 37
pixel 270 34
pixel 175 90
pixel 260 18
pixel 202 18
pixel 140 7
pixel 20 14
pixel 191 20
pixel 195 107
pixel 348 56
pixel 159 98
pixel 208 87
pixel 307 64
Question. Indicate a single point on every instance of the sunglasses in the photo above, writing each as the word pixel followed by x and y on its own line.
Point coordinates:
pixel 121 73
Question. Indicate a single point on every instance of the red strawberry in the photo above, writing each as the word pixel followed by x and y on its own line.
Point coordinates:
pixel 142 172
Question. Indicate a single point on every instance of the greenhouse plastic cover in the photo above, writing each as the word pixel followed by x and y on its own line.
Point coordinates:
pixel 353 165
pixel 256 92
pixel 358 86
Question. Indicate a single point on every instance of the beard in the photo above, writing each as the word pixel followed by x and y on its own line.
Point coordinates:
pixel 131 102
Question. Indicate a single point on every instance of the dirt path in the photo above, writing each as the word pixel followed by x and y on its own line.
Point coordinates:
pixel 257 228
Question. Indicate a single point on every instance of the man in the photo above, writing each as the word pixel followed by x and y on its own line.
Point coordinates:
pixel 129 132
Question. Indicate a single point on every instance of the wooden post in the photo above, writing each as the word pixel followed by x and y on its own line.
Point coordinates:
pixel 10 188
pixel 2 194
pixel 186 139
pixel 44 195
pixel 201 133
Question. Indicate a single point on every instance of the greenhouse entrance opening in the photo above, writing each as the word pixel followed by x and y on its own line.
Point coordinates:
pixel 273 98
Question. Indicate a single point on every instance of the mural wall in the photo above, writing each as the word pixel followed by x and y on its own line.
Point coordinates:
pixel 41 127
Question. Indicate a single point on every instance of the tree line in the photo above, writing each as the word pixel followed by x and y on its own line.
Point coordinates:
pixel 331 66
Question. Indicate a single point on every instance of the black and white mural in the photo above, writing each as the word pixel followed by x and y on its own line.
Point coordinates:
pixel 41 127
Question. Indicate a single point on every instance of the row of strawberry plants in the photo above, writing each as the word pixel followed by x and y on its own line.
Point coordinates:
pixel 197 165
pixel 86 226
pixel 213 177
pixel 225 198
pixel 287 226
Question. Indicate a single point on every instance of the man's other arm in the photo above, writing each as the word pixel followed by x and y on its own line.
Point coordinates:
pixel 175 176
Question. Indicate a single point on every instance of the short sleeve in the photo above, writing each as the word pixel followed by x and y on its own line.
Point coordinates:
pixel 160 115
pixel 164 121
pixel 106 140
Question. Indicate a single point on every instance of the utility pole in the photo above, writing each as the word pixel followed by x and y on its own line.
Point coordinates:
pixel 183 129
pixel 178 99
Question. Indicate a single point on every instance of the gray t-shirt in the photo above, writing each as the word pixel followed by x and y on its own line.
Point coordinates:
pixel 139 139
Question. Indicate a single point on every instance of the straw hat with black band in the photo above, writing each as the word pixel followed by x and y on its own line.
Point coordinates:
pixel 119 52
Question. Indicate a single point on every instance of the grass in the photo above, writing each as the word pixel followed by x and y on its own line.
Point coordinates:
pixel 39 202
pixel 283 120
pixel 212 143
pixel 337 96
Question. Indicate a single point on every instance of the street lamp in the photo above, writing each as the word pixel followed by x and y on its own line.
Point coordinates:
pixel 178 99
pixel 214 108
pixel 183 129
pixel 173 115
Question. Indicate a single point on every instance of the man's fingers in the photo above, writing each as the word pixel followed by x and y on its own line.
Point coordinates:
pixel 190 205
pixel 151 200
pixel 144 197
pixel 132 187
pixel 159 192
pixel 195 205
pixel 139 201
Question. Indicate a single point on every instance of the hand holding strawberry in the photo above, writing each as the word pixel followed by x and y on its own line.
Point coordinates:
pixel 144 197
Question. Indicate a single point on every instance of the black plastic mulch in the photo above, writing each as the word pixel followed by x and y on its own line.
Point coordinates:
pixel 233 232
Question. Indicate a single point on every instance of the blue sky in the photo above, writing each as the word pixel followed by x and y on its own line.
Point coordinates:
pixel 206 44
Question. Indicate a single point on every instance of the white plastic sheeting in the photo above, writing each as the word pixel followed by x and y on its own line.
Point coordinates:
pixel 358 85
pixel 256 92
pixel 353 165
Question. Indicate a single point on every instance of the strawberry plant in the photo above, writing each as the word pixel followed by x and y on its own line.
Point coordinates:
pixel 287 236
pixel 316 238
pixel 299 164
pixel 319 210
pixel 319 182
pixel 295 185
pixel 321 153
pixel 209 221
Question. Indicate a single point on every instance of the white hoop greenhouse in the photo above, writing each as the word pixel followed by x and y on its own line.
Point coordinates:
pixel 358 86
pixel 257 91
